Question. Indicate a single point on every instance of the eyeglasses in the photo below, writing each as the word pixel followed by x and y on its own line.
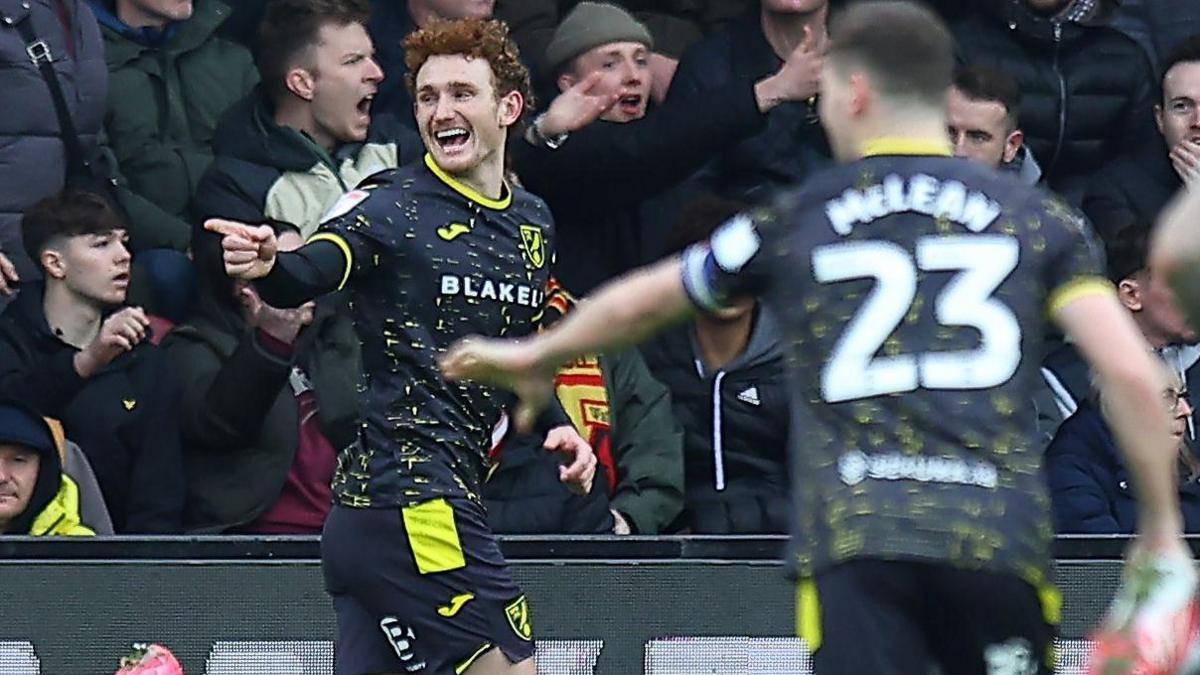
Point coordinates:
pixel 1173 398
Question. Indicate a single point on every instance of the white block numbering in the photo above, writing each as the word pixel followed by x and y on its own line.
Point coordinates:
pixel 18 658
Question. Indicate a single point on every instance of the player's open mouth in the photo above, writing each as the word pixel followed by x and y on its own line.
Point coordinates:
pixel 631 104
pixel 122 278
pixel 452 138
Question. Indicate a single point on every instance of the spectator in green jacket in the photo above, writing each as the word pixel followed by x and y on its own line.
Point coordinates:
pixel 170 79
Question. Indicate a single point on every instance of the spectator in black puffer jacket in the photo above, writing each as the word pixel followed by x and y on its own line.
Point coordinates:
pixel 792 145
pixel 32 160
pixel 726 377
pixel 1159 26
pixel 1087 89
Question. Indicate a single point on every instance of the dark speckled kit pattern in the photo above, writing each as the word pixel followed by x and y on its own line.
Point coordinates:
pixel 433 262
pixel 913 291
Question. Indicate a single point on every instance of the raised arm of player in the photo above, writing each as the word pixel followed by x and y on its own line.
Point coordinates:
pixel 622 312
pixel 1150 625
pixel 283 279
pixel 1175 251
pixel 1134 383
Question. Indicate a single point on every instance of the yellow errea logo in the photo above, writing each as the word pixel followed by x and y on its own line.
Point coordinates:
pixel 129 403
pixel 453 230
pixel 533 245
pixel 518 618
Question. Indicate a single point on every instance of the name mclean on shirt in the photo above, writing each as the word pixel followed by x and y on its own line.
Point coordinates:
pixel 920 194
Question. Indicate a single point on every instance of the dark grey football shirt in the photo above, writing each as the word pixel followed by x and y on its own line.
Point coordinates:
pixel 913 292
pixel 426 261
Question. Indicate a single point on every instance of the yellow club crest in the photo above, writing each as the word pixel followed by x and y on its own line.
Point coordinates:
pixel 533 245
pixel 518 618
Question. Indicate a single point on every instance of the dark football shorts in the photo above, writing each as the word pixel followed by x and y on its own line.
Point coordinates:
pixel 420 589
pixel 900 618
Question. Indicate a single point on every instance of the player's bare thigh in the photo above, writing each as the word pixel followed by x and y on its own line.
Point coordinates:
pixel 494 662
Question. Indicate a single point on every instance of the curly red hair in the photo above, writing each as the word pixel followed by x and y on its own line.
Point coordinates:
pixel 473 38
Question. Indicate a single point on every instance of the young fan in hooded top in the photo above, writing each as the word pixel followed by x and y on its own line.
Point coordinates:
pixel 36 497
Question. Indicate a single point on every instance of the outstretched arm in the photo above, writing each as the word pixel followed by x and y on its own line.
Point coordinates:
pixel 1147 621
pixel 1175 251
pixel 283 279
pixel 622 312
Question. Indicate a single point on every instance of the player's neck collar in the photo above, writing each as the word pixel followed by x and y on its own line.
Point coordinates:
pixel 468 191
pixel 905 145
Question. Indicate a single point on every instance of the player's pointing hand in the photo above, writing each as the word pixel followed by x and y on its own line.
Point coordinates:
pixel 511 364
pixel 248 251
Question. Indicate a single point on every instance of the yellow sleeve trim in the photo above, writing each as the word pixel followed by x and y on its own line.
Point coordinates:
pixel 808 613
pixel 346 251
pixel 1075 289
pixel 433 536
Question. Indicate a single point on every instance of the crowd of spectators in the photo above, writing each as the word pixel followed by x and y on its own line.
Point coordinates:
pixel 144 391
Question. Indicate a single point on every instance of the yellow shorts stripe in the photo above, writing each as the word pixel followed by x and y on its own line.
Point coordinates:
pixel 433 536
pixel 808 613
pixel 346 251
pixel 462 667
pixel 1077 288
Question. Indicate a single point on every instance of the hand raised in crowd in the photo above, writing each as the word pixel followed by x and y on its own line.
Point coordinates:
pixel 662 71
pixel 248 251
pixel 799 78
pixel 8 276
pixel 282 324
pixel 579 462
pixel 119 333
pixel 1185 157
pixel 576 107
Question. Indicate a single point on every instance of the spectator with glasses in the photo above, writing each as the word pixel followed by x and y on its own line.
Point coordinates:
pixel 1089 483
